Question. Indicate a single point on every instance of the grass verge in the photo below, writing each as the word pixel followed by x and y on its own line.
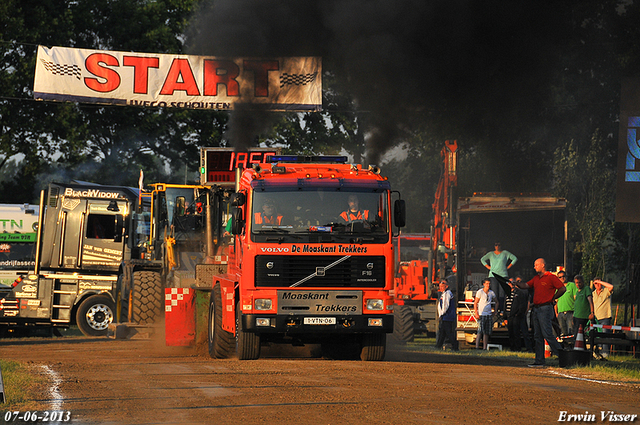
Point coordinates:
pixel 25 387
pixel 617 368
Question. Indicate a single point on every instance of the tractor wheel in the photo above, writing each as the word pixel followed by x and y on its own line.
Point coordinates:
pixel 247 343
pixel 147 297
pixel 220 341
pixel 403 326
pixel 95 314
pixel 373 347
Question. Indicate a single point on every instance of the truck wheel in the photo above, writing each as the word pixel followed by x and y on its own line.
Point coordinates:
pixel 403 326
pixel 220 341
pixel 373 347
pixel 95 314
pixel 247 343
pixel 147 297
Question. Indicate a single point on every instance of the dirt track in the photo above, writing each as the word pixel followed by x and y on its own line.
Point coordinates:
pixel 142 381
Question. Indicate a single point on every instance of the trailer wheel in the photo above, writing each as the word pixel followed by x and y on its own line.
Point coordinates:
pixel 373 347
pixel 247 343
pixel 147 296
pixel 95 314
pixel 220 341
pixel 403 326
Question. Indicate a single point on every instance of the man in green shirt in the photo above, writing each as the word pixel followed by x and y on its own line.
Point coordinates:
pixel 564 307
pixel 583 307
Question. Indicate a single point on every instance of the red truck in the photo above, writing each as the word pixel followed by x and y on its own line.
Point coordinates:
pixel 301 274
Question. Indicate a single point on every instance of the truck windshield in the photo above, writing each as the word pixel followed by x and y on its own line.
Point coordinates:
pixel 319 215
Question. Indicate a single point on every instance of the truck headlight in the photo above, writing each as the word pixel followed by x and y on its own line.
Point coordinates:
pixel 263 304
pixel 375 304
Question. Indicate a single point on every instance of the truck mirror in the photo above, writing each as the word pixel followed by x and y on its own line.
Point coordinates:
pixel 238 222
pixel 399 213
pixel 119 228
pixel 238 199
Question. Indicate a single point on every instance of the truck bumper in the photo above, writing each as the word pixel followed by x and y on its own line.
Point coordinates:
pixel 294 324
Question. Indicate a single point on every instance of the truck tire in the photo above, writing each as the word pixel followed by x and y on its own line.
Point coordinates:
pixel 147 297
pixel 247 343
pixel 373 347
pixel 403 326
pixel 95 314
pixel 221 342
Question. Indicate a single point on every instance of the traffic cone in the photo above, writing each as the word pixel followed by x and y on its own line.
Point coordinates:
pixel 579 345
pixel 547 349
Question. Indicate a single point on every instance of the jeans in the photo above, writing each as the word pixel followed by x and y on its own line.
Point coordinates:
pixel 565 318
pixel 514 328
pixel 446 330
pixel 604 348
pixel 526 335
pixel 542 330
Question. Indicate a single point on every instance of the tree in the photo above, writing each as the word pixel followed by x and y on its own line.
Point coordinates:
pixel 104 144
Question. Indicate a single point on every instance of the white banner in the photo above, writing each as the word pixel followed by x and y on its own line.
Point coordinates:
pixel 179 81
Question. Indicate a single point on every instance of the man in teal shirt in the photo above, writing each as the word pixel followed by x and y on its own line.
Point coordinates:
pixel 498 262
pixel 564 307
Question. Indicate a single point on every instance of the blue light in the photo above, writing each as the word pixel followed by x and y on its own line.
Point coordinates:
pixel 308 159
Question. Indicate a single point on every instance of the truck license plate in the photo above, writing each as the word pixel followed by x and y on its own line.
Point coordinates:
pixel 319 320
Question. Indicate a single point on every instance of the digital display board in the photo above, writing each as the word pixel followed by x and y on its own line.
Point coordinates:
pixel 218 165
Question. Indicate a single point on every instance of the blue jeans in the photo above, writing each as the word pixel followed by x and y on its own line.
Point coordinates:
pixel 542 330
pixel 565 319
pixel 604 348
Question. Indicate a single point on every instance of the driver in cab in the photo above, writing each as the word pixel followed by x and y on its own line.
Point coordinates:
pixel 269 214
pixel 354 214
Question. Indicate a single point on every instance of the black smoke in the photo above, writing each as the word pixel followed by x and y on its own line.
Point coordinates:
pixel 457 65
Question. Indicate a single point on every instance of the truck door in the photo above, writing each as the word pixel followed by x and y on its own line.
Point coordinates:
pixel 102 241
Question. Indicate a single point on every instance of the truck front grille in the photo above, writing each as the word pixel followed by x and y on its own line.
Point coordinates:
pixel 305 271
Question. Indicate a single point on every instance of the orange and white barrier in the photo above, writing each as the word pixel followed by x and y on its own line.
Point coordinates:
pixel 617 328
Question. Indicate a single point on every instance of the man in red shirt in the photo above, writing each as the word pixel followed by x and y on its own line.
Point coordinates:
pixel 546 289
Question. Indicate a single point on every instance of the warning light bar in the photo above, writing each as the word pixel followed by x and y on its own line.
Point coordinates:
pixel 335 159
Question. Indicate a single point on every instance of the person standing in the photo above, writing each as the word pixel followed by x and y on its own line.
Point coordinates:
pixel 583 307
pixel 446 317
pixel 498 262
pixel 564 306
pixel 524 317
pixel 516 304
pixel 546 289
pixel 602 307
pixel 482 312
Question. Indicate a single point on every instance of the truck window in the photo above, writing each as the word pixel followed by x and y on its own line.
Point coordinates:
pixel 101 226
pixel 307 215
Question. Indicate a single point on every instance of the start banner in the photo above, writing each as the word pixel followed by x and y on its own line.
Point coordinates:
pixel 178 81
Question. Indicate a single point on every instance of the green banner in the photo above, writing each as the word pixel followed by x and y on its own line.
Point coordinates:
pixel 17 237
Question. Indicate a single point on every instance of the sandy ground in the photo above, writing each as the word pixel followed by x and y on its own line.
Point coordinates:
pixel 105 381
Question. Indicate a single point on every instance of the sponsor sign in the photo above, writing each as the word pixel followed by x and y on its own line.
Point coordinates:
pixel 628 176
pixel 177 81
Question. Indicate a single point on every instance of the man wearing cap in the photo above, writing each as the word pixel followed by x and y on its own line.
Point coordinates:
pixel 446 317
pixel 547 288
